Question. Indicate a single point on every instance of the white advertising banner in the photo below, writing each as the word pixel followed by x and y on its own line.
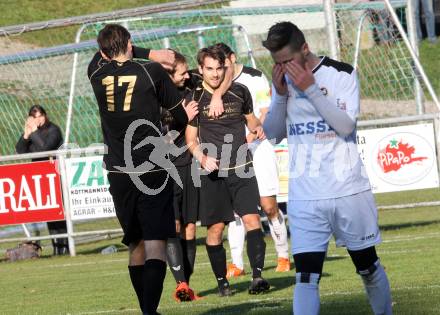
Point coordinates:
pixel 88 189
pixel 399 158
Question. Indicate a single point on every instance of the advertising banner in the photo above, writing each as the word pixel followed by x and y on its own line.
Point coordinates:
pixel 30 192
pixel 88 189
pixel 399 158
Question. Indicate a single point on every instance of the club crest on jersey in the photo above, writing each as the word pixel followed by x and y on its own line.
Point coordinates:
pixel 324 91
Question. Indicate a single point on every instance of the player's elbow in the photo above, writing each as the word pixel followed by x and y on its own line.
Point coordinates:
pixel 346 129
pixel 273 132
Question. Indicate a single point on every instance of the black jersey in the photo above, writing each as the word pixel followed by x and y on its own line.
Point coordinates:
pixel 170 123
pixel 237 102
pixel 127 92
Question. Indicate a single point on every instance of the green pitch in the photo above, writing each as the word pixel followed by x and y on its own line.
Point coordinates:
pixel 92 283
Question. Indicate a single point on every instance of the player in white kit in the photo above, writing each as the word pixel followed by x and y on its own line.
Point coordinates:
pixel 266 172
pixel 315 103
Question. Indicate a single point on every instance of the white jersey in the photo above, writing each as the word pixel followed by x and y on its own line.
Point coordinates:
pixel 264 158
pixel 323 164
pixel 258 85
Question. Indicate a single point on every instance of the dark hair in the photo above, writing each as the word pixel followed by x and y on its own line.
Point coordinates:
pixel 225 48
pixel 113 40
pixel 178 59
pixel 39 109
pixel 213 52
pixel 282 34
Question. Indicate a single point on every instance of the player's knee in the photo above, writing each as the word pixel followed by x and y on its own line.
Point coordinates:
pixel 190 231
pixel 269 206
pixel 364 259
pixel 311 262
pixel 155 249
pixel 136 253
pixel 251 222
pixel 215 233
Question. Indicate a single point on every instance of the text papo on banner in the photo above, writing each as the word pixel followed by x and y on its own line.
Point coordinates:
pixel 30 192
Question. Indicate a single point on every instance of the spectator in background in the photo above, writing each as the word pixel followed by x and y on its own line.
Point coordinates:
pixel 428 11
pixel 40 134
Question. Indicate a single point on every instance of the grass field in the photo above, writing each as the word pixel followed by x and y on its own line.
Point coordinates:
pixel 92 283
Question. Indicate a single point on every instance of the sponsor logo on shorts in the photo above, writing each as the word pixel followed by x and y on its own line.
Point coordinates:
pixel 368 237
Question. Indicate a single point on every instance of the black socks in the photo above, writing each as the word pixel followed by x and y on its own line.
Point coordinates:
pixel 189 256
pixel 137 280
pixel 175 259
pixel 154 275
pixel 256 250
pixel 217 257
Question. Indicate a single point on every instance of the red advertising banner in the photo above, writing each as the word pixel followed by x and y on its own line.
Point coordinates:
pixel 30 193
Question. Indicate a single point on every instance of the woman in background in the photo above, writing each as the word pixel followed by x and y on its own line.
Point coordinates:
pixel 40 134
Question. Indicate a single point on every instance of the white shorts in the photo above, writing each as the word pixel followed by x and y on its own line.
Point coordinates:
pixel 351 219
pixel 265 167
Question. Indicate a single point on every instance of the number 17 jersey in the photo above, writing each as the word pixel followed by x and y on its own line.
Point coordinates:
pixel 128 91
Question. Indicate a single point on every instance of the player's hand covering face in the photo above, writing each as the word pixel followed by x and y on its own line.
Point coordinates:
pixel 213 72
pixel 278 79
pixel 191 109
pixel 301 76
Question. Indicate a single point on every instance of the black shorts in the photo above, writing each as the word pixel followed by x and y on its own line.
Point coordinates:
pixel 186 200
pixel 220 197
pixel 143 216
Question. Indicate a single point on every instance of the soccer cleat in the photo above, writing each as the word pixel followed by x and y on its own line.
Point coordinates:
pixel 258 285
pixel 283 265
pixel 195 297
pixel 183 293
pixel 225 290
pixel 233 271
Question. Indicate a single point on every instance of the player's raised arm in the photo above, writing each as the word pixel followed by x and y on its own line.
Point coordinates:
pixel 216 107
pixel 141 52
pixel 333 114
pixel 163 56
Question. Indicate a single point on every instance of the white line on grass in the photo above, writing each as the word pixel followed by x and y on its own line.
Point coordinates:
pixel 268 299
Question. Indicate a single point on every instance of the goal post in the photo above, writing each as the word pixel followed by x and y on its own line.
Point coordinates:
pixel 368 35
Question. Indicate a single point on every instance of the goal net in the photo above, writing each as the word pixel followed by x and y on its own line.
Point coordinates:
pixel 47 67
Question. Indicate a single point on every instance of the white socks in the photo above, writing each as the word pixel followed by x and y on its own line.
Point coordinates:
pixel 237 232
pixel 378 289
pixel 306 295
pixel 278 231
pixel 236 235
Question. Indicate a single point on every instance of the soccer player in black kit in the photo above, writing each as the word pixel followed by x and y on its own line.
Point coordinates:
pixel 219 144
pixel 127 91
pixel 181 250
